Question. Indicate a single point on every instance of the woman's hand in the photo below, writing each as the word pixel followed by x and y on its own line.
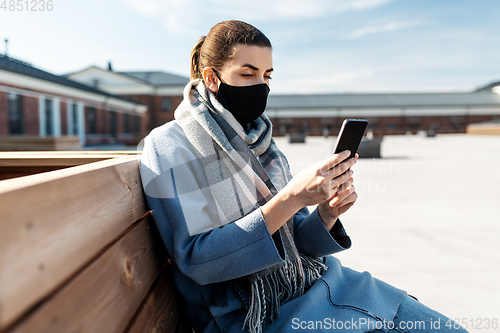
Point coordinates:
pixel 339 203
pixel 313 185
pixel 320 181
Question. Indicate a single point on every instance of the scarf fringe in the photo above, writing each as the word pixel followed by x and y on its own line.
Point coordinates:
pixel 269 291
pixel 314 269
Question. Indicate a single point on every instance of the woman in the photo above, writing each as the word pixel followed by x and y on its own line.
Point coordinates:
pixel 249 256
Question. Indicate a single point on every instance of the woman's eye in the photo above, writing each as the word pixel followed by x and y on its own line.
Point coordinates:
pixel 267 77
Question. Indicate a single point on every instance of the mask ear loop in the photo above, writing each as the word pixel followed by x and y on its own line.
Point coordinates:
pixel 219 78
pixel 217 75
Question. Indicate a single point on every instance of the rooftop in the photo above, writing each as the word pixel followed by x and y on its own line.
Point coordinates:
pixel 158 78
pixel 489 87
pixel 20 67
pixel 375 100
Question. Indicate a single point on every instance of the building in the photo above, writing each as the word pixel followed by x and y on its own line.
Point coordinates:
pixel 102 106
pixel 160 91
pixel 36 102
pixel 387 113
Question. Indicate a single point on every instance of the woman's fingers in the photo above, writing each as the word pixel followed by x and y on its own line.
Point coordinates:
pixel 339 180
pixel 335 159
pixel 319 183
pixel 341 168
pixel 345 186
pixel 344 208
pixel 349 195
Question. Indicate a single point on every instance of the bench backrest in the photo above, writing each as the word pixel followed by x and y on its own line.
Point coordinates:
pixel 79 251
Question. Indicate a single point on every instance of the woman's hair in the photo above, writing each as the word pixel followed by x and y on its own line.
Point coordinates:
pixel 215 49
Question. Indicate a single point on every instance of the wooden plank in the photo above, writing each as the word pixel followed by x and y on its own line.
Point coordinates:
pixel 13 159
pixel 54 160
pixel 53 223
pixel 34 142
pixel 35 154
pixel 36 138
pixel 163 309
pixel 13 172
pixel 20 164
pixel 107 293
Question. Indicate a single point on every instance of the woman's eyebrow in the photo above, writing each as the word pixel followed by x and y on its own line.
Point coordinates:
pixel 256 69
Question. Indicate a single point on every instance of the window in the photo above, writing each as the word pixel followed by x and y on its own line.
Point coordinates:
pixel 15 113
pixel 391 126
pixel 457 121
pixel 74 125
pixel 92 120
pixel 285 125
pixel 166 105
pixel 49 105
pixel 103 128
pixel 112 123
pixel 414 122
pixel 137 124
pixel 126 120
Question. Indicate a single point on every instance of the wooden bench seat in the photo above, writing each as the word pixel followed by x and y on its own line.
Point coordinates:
pixel 79 251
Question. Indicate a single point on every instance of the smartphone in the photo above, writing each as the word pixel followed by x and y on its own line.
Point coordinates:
pixel 350 136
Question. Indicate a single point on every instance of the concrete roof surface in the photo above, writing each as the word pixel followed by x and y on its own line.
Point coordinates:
pixel 427 219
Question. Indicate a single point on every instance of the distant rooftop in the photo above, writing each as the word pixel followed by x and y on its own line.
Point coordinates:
pixel 158 78
pixel 489 87
pixel 20 67
pixel 380 100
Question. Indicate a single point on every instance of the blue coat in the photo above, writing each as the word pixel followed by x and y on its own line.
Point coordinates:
pixel 341 297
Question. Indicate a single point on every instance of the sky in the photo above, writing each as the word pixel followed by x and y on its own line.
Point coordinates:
pixel 319 46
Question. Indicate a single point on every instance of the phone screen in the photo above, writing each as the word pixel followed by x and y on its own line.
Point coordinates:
pixel 350 136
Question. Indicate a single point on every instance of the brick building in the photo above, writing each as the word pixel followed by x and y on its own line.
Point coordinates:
pixel 395 113
pixel 315 114
pixel 36 102
pixel 387 113
pixel 160 91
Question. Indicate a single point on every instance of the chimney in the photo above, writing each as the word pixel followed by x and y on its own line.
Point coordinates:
pixel 6 47
pixel 110 68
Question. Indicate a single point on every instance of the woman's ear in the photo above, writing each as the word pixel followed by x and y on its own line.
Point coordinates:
pixel 211 81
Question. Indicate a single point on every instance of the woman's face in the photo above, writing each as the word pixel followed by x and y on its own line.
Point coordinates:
pixel 250 65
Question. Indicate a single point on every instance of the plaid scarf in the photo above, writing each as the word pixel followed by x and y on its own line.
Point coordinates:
pixel 242 174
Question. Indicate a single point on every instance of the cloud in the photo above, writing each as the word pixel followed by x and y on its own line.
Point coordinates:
pixel 387 27
pixel 183 17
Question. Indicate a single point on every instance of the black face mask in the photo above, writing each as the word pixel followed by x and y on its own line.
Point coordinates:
pixel 245 103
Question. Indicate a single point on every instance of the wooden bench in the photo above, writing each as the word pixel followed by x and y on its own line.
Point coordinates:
pixel 36 142
pixel 79 251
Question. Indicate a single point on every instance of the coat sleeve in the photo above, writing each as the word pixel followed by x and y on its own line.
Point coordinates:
pixel 313 238
pixel 211 255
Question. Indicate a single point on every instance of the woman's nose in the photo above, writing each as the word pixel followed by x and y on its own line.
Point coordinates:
pixel 262 79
